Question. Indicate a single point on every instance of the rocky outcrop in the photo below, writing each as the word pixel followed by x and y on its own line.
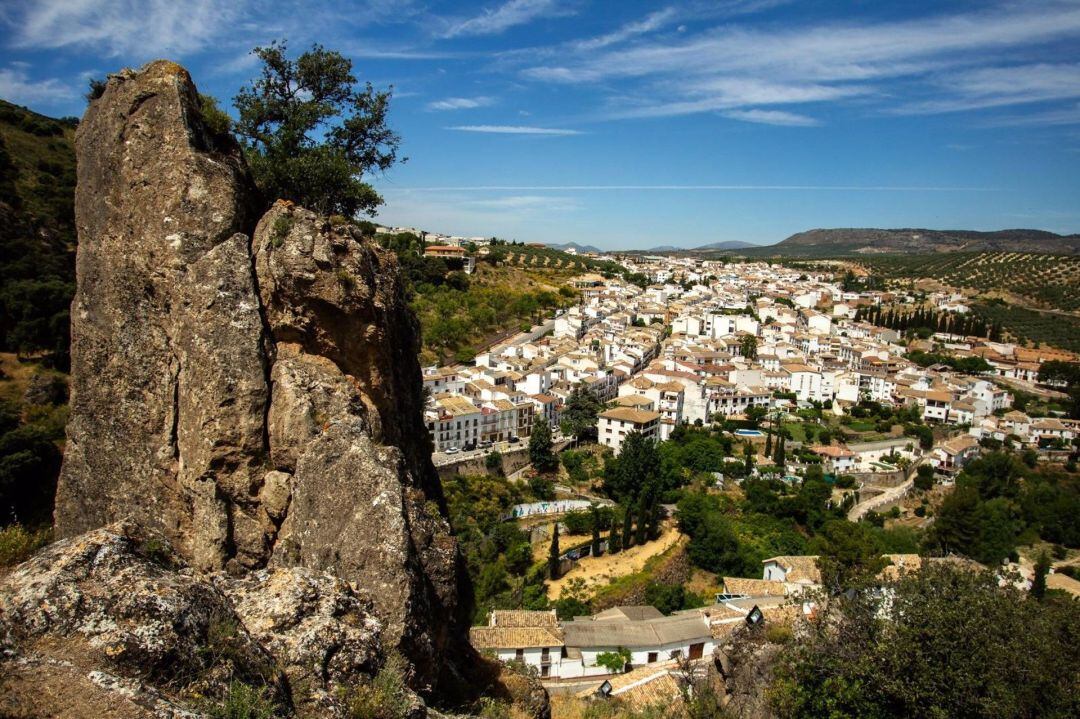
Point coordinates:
pixel 250 389
pixel 112 623
pixel 109 623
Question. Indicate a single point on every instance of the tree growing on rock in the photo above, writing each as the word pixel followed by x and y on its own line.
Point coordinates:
pixel 310 133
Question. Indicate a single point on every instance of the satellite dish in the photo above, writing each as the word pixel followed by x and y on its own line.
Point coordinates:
pixel 755 617
pixel 605 689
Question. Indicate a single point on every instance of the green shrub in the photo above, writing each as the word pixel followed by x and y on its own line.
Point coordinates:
pixel 17 544
pixel 243 702
pixel 779 633
pixel 385 696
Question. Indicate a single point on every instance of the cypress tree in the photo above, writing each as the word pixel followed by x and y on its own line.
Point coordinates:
pixel 642 531
pixel 614 542
pixel 553 553
pixel 628 527
pixel 595 531
pixel 654 519
pixel 779 456
pixel 768 443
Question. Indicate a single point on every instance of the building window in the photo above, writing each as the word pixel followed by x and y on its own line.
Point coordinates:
pixel 519 654
pixel 653 656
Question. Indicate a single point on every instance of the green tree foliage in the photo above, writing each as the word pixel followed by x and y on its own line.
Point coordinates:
pixel 615 662
pixel 1038 584
pixel 37 233
pixel 614 537
pixel 595 546
pixel 924 477
pixel 580 412
pixel 668 598
pixel 497 553
pixel 635 471
pixel 848 553
pixel 627 533
pixel 748 346
pixel 310 134
pixel 943 642
pixel 493 462
pixel 541 454
pixel 553 553
pixel 1064 373
pixel 996 499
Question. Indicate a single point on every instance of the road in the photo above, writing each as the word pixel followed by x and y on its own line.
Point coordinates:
pixel 889 495
pixel 441 459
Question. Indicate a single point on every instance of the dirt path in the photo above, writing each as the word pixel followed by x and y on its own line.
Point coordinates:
pixel 598 571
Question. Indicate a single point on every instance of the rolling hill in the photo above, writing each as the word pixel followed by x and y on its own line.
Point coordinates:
pixel 922 241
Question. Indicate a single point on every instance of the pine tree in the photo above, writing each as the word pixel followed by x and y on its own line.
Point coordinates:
pixel 553 553
pixel 768 443
pixel 628 527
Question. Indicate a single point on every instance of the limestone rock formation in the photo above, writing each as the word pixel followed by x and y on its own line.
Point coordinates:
pixel 250 388
pixel 104 624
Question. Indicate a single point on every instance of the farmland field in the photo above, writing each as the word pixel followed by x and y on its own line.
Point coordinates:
pixel 1023 324
pixel 1051 281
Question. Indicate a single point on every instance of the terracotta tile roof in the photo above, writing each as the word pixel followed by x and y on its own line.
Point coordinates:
pixel 523 618
pixel 515 637
pixel 800 568
pixel 627 414
pixel 754 587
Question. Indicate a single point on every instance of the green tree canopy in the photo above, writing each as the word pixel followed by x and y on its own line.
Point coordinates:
pixel 310 134
pixel 541 454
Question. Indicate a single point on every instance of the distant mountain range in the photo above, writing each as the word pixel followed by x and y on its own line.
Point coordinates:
pixel 574 246
pixel 921 241
pixel 728 245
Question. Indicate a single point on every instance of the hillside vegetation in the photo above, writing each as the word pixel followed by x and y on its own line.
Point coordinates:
pixel 37 231
pixel 1051 281
pixel 871 240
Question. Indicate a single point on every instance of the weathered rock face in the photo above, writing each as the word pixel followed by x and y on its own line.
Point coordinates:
pixel 248 388
pixel 169 384
pixel 104 624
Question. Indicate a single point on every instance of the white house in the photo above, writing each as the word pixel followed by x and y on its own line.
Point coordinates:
pixel 614 424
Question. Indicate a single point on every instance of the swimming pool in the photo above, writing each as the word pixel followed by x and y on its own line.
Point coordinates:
pixel 749 432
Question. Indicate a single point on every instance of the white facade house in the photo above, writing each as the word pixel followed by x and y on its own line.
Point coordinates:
pixel 567 650
pixel 614 424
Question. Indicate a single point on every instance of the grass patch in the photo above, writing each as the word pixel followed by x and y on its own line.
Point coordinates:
pixel 386 696
pixel 243 702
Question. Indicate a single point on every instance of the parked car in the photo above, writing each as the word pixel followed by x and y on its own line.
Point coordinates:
pixel 452 450
pixel 513 439
pixel 470 446
pixel 485 444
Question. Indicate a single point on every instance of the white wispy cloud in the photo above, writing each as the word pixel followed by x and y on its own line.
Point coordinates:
pixel 712 70
pixel 123 27
pixel 460 103
pixel 772 117
pixel 16 86
pixel 515 130
pixel 649 23
pixel 999 86
pixel 495 20
pixel 547 203
pixel 1069 115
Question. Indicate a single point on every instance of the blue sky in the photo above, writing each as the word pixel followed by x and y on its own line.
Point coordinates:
pixel 634 124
